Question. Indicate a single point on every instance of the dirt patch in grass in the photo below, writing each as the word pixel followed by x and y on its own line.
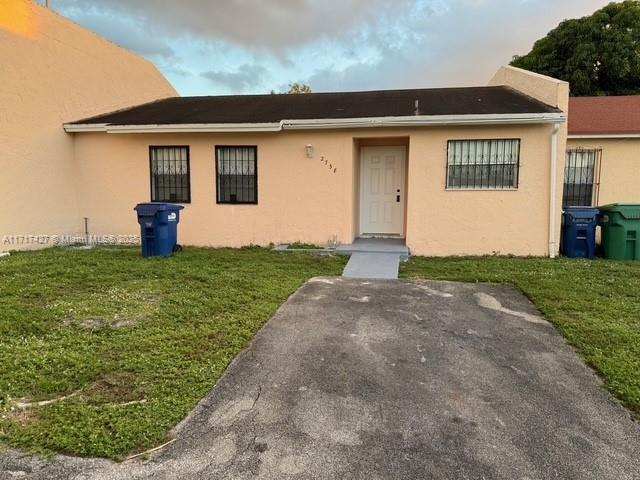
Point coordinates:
pixel 98 323
pixel 114 388
pixel 20 416
pixel 303 246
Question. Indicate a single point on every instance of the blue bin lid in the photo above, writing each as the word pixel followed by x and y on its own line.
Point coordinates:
pixel 582 213
pixel 152 208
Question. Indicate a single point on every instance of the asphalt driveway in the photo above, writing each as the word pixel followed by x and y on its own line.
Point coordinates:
pixel 392 380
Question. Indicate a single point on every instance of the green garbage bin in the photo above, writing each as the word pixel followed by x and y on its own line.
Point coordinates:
pixel 620 224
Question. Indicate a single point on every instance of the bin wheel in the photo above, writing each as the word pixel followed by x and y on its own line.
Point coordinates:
pixel 177 248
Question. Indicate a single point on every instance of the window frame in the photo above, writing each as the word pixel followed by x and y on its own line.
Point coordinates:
pixel 188 148
pixel 483 189
pixel 596 169
pixel 255 174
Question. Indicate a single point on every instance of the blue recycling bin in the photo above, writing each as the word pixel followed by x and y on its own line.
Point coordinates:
pixel 158 228
pixel 579 232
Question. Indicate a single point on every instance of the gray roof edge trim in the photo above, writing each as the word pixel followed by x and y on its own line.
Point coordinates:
pixel 318 124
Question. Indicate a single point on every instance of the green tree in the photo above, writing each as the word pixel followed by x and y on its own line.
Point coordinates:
pixel 296 88
pixel 598 55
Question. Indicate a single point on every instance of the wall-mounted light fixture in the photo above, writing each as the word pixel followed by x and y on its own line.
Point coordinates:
pixel 309 151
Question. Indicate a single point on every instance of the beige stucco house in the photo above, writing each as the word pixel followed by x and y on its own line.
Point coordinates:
pixel 603 156
pixel 53 71
pixel 454 171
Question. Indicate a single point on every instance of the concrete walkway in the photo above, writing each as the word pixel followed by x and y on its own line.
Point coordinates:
pixel 373 380
pixel 372 266
pixel 374 259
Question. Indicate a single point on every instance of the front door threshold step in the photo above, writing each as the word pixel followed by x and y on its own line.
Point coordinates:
pixel 374 266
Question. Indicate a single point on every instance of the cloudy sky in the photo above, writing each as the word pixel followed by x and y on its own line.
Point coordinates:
pixel 255 46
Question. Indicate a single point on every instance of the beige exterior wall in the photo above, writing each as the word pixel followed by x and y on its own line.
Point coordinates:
pixel 302 199
pixel 299 198
pixel 548 90
pixel 53 71
pixel 451 222
pixel 553 92
pixel 620 170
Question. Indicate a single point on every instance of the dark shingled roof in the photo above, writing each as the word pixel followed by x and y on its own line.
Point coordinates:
pixel 274 108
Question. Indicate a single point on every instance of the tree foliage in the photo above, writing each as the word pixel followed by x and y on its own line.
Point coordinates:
pixel 598 55
pixel 296 88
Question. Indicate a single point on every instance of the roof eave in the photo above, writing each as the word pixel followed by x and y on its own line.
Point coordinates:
pixel 319 124
pixel 85 127
pixel 595 136
pixel 174 128
pixel 426 120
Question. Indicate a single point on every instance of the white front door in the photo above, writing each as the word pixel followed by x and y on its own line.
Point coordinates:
pixel 382 190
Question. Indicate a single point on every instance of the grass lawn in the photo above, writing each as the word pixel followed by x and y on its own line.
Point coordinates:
pixel 595 305
pixel 135 342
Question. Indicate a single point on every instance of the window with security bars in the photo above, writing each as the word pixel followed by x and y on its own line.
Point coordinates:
pixel 581 177
pixel 483 164
pixel 237 174
pixel 170 180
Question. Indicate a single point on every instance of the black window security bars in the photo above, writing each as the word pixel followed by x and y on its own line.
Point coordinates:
pixel 237 174
pixel 483 164
pixel 582 177
pixel 170 180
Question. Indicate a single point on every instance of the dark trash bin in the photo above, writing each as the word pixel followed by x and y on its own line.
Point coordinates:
pixel 158 228
pixel 620 224
pixel 579 232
